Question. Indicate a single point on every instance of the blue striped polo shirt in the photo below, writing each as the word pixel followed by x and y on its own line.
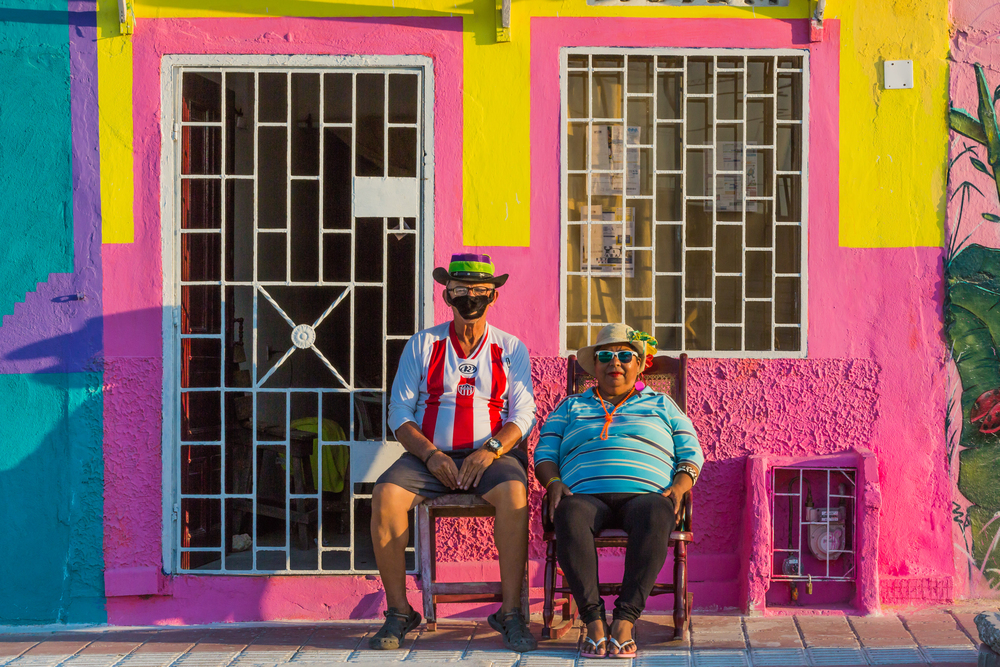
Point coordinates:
pixel 648 437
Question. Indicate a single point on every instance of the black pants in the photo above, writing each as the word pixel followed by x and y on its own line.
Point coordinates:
pixel 648 518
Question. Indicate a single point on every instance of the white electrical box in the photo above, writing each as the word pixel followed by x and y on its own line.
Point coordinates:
pixel 898 74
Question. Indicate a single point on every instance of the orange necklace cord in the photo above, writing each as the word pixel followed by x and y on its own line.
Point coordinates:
pixel 608 416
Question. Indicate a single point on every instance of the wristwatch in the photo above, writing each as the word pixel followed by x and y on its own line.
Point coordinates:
pixel 494 447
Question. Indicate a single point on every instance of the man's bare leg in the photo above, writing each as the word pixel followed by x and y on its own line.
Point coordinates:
pixel 390 533
pixel 510 533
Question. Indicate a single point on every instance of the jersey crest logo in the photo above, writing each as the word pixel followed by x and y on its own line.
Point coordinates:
pixel 466 389
pixel 467 370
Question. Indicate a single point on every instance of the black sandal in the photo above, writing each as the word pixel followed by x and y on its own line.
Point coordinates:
pixel 514 631
pixel 397 624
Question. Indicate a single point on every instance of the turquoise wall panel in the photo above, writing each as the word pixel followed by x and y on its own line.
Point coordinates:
pixel 36 211
pixel 51 492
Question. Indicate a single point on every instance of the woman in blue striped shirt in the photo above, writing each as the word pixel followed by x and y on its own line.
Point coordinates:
pixel 620 455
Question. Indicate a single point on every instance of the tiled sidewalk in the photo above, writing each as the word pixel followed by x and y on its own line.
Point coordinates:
pixel 939 637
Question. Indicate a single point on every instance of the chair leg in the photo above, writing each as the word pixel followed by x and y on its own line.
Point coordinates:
pixel 526 594
pixel 681 616
pixel 425 532
pixel 549 594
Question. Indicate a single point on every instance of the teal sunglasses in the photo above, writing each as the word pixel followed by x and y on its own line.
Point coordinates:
pixel 624 356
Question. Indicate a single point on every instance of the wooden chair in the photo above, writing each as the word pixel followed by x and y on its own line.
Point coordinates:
pixel 668 375
pixel 454 505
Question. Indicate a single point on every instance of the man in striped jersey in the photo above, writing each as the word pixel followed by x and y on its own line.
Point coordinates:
pixel 461 402
pixel 620 455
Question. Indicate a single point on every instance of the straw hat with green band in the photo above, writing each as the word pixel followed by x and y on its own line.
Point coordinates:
pixel 639 341
pixel 469 268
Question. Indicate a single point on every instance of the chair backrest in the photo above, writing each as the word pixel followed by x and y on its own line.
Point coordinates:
pixel 666 374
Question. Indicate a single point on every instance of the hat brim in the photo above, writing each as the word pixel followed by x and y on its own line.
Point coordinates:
pixel 585 355
pixel 442 276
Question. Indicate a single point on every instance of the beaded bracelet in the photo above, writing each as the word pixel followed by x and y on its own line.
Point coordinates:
pixel 436 451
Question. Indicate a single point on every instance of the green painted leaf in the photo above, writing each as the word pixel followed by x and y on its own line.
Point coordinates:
pixel 980 166
pixel 996 94
pixel 991 217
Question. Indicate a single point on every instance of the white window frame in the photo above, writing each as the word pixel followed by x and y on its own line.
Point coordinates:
pixel 170 99
pixel 564 54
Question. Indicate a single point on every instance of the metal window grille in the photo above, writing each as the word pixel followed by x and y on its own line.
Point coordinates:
pixel 813 524
pixel 297 292
pixel 684 201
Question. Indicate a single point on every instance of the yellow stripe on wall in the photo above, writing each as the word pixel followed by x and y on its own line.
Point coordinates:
pixel 893 146
pixel 114 94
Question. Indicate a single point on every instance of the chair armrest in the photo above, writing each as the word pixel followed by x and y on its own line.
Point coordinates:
pixel 546 524
pixel 687 513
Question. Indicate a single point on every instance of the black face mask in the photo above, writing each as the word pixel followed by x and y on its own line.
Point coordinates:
pixel 471 307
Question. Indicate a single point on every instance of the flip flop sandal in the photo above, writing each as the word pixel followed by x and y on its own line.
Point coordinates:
pixel 397 624
pixel 622 653
pixel 592 652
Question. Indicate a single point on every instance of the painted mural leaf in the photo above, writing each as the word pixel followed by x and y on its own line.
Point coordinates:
pixel 972 325
pixel 966 125
pixel 996 94
pixel 978 164
pixel 991 217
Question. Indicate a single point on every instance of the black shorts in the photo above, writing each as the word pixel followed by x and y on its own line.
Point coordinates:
pixel 411 474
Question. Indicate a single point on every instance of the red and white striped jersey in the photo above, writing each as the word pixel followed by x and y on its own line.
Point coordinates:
pixel 460 402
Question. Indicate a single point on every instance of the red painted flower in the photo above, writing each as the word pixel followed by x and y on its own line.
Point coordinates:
pixel 987 409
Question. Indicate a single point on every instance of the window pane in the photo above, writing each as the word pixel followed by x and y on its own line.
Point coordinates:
pixel 670 96
pixel 699 173
pixel 578 99
pixel 668 147
pixel 789 96
pixel 576 298
pixel 607 95
pixel 759 224
pixel 758 327
pixel 403 152
pixel 201 257
pixel 272 183
pixel 578 60
pixel 201 522
pixel 727 339
pixel 730 94
pixel 668 299
pixel 370 123
pixel 305 231
pixel 640 74
pixel 200 468
pixel 272 257
pixel 201 416
pixel 201 204
pixel 787 244
pixel 337 258
pixel 728 300
pixel 202 96
pixel 669 338
pixel 729 249
pixel 699 224
pixel 401 295
pixel 201 360
pixel 789 147
pixel 698 274
pixel 337 175
pixel 273 97
pixel 640 115
pixel 605 61
pixel 786 300
pixel 668 247
pixel 760 76
pixel 640 283
pixel 403 94
pixel 337 97
pixel 758 274
pixel 760 122
pixel 699 75
pixel 201 311
pixel 201 150
pixel 786 339
pixel 368 250
pixel 272 464
pixel 700 121
pixel 789 196
pixel 576 146
pixel 698 325
pixel 669 197
pixel 239 122
pixel 639 315
pixel 576 195
pixel 305 116
pixel 606 299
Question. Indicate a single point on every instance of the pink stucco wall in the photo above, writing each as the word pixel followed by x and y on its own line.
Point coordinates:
pixel 873 378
